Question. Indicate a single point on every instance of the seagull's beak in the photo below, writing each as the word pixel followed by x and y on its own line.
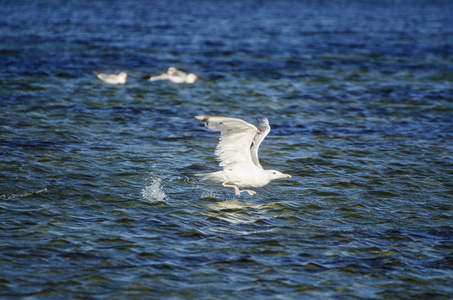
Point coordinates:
pixel 287 175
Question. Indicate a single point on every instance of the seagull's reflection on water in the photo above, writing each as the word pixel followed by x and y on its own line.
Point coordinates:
pixel 231 204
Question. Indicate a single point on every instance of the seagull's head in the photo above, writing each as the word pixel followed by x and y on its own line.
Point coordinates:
pixel 273 174
pixel 191 78
pixel 122 75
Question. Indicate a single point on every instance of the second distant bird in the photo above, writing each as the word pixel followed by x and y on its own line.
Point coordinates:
pixel 176 76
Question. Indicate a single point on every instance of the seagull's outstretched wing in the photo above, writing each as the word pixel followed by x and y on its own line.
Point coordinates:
pixel 236 137
pixel 172 71
pixel 164 76
pixel 263 127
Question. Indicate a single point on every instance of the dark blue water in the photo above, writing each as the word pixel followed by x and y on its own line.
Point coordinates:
pixel 98 193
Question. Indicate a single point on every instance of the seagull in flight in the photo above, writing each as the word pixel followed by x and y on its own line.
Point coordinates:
pixel 238 153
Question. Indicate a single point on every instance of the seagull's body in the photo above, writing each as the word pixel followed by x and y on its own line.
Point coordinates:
pixel 238 153
pixel 113 78
pixel 176 76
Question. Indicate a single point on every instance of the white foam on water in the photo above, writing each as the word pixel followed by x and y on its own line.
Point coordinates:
pixel 26 194
pixel 154 191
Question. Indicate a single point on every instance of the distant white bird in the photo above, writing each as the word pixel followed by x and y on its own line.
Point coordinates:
pixel 238 153
pixel 176 76
pixel 113 78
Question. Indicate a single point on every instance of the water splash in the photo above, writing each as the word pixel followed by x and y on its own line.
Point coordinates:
pixel 154 191
pixel 209 194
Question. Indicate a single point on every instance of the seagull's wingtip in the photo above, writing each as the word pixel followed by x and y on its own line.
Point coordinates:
pixel 201 118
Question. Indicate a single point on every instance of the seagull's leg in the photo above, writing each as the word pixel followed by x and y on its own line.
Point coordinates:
pixel 251 193
pixel 236 189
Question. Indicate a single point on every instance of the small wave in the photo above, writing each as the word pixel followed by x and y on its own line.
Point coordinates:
pixel 26 194
pixel 154 191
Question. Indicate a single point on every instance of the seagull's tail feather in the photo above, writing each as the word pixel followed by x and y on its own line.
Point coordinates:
pixel 202 175
pixel 216 176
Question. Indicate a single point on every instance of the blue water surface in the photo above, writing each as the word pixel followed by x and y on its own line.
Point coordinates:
pixel 99 197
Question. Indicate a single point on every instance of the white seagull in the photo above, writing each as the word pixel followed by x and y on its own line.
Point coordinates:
pixel 238 153
pixel 176 76
pixel 113 78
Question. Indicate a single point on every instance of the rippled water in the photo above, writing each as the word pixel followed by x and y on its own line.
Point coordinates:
pixel 98 193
